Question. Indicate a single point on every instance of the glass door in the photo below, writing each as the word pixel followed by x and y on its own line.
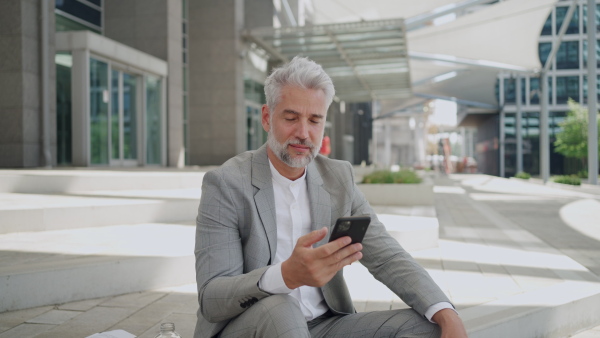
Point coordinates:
pixel 124 119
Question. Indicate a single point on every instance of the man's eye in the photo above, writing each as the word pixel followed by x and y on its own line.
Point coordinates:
pixel 315 121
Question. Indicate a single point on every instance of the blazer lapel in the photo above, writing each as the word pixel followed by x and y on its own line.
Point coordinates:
pixel 320 201
pixel 264 198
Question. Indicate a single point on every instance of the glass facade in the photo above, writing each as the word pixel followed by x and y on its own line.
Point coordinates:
pixel 122 124
pixel 99 127
pixel 254 93
pixel 64 133
pixel 153 120
pixel 567 79
pixel 124 144
pixel 74 15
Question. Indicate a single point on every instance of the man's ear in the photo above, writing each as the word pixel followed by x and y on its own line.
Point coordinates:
pixel 265 118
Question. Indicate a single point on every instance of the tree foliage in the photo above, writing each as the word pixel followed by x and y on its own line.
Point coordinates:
pixel 572 140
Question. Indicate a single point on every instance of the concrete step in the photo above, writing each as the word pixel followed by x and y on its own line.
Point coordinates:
pixel 558 311
pixel 55 267
pixel 498 291
pixel 412 232
pixel 42 212
pixel 57 181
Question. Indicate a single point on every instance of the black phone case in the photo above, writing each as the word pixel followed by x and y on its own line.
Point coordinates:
pixel 356 229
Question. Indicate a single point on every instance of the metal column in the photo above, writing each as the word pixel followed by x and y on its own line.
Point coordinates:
pixel 544 137
pixel 501 135
pixel 518 127
pixel 592 95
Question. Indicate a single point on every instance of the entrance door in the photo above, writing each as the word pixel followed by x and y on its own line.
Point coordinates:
pixel 124 119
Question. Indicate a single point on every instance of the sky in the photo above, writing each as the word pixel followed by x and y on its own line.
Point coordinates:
pixel 444 113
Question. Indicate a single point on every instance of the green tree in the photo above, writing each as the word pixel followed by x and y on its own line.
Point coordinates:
pixel 572 140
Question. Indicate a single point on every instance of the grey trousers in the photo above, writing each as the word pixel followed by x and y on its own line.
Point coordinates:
pixel 280 316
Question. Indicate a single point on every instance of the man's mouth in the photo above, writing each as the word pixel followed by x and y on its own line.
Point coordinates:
pixel 299 147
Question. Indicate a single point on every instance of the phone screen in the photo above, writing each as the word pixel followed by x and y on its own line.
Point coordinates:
pixel 353 226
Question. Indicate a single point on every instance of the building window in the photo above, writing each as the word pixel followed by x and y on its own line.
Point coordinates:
pixel 64 133
pixel 153 120
pixel 99 121
pixel 573 27
pixel 544 51
pixel 547 29
pixel 535 92
pixel 567 87
pixel 75 15
pixel 567 56
pixel 509 91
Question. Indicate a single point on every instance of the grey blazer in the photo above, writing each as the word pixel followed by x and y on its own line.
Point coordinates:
pixel 236 238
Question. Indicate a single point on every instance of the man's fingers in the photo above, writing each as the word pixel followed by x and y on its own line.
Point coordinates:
pixel 350 259
pixel 345 253
pixel 312 237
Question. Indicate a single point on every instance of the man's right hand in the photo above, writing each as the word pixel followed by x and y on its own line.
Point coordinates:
pixel 316 266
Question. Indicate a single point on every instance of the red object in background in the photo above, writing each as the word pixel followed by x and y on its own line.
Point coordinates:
pixel 325 146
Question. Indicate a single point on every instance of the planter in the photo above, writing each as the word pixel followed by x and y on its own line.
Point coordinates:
pixel 398 194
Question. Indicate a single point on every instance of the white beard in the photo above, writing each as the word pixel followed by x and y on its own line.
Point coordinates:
pixel 282 153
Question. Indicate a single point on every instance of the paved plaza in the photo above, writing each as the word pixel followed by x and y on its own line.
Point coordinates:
pixel 513 256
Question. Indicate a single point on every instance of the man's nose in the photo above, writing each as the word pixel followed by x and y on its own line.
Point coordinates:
pixel 302 130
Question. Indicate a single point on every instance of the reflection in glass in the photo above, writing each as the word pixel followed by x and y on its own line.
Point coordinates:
pixel 567 56
pixel 573 27
pixel 129 117
pixel 153 121
pixel 114 115
pixel 547 29
pixel 544 51
pixel 98 112
pixel 509 91
pixel 567 87
pixel 64 63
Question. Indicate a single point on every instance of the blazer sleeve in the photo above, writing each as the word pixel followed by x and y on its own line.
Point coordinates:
pixel 389 263
pixel 224 290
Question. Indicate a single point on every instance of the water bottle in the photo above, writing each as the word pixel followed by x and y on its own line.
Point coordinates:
pixel 167 330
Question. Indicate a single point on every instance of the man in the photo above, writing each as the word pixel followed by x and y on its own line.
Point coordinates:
pixel 264 266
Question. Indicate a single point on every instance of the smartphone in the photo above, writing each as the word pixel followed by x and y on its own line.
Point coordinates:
pixel 353 226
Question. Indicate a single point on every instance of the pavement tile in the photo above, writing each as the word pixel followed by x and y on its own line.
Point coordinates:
pixel 184 325
pixel 54 317
pixel 186 302
pixel 146 317
pixel 26 330
pixel 98 319
pixel 82 305
pixel 13 318
pixel 137 299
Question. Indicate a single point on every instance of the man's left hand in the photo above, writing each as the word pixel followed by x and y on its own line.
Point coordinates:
pixel 451 325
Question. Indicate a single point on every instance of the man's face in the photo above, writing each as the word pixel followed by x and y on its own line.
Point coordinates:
pixel 296 125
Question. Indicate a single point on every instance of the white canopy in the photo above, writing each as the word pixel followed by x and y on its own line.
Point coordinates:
pixel 507 32
pixel 504 35
pixel 338 11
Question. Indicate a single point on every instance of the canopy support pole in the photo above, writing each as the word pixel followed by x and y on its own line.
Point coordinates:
pixel 592 95
pixel 518 126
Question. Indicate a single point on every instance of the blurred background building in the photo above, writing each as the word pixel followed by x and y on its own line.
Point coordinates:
pixel 178 82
